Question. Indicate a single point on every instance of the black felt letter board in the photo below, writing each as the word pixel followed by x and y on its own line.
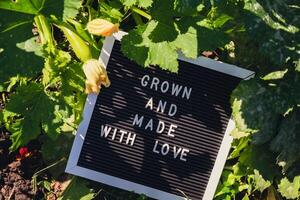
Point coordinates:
pixel 201 122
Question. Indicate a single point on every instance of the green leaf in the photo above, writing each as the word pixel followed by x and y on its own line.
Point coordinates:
pixel 261 159
pixel 1 117
pixel 162 32
pixel 110 13
pixel 129 3
pixel 243 187
pixel 245 197
pixel 297 65
pixel 275 75
pixel 46 185
pixel 14 82
pixel 239 134
pixel 62 9
pixel 285 21
pixel 186 7
pixel 60 70
pixel 163 11
pixel 28 102
pixel 238 146
pixel 290 190
pixel 71 8
pixel 188 43
pixel 77 189
pixel 54 150
pixel 230 179
pixel 72 91
pixel 251 105
pixel 158 41
pixel 221 20
pixel 19 55
pixel 54 62
pixel 228 186
pixel 287 141
pixel 276 23
pixel 207 37
pixel 133 47
pixel 72 79
pixel 24 6
pixel 139 3
pixel 222 190
pixel 260 183
pixel 31 45
pixel 163 55
pixel 137 46
pixel 66 75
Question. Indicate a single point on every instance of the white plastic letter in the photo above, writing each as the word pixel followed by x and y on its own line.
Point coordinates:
pixel 150 103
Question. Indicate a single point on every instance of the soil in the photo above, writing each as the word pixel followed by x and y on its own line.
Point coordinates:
pixel 15 174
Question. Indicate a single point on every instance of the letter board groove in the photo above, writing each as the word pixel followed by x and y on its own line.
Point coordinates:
pixel 161 165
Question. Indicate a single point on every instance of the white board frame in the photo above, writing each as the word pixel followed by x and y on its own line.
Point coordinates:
pixel 74 169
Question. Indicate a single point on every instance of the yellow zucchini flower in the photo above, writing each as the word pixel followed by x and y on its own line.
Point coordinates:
pixel 96 76
pixel 102 27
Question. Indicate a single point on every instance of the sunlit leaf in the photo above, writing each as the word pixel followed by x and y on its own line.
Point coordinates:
pixel 290 190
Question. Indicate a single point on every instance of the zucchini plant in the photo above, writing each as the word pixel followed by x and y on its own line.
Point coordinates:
pixel 44 45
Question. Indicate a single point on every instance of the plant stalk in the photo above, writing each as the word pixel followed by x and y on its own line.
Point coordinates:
pixel 141 12
pixel 45 31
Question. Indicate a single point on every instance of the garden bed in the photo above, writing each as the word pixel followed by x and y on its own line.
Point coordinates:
pixel 16 171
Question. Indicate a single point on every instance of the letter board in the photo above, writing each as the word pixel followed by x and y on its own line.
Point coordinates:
pixel 157 133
